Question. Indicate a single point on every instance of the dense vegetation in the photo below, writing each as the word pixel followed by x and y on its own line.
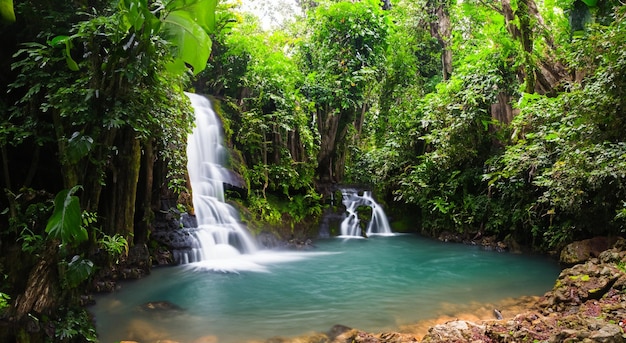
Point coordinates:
pixel 501 118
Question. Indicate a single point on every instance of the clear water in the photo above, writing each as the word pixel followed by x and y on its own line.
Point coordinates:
pixel 372 284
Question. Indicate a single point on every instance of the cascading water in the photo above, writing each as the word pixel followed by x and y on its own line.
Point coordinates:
pixel 352 200
pixel 219 234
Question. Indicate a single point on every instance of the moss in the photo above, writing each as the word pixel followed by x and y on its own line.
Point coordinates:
pixel 583 277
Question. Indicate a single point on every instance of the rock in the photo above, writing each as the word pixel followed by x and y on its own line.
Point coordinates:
pixel 337 330
pixel 456 331
pixel 608 333
pixel 269 240
pixel 513 246
pixel 160 306
pixel 179 239
pixel 581 251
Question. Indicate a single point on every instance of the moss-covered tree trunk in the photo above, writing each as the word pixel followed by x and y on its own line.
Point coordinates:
pixel 541 74
pixel 145 213
pixel 328 125
pixel 441 29
pixel 122 186
pixel 334 128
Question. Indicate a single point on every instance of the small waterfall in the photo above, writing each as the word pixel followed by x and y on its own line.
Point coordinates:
pixel 219 234
pixel 378 225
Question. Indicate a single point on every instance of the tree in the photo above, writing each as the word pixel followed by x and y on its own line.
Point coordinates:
pixel 342 57
pixel 94 117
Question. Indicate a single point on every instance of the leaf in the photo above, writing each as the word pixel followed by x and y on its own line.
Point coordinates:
pixel 78 147
pixel 201 11
pixel 591 3
pixel 192 42
pixel 68 46
pixel 78 270
pixel 7 15
pixel 65 222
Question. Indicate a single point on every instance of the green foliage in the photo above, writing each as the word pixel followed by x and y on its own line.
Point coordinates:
pixel 74 272
pixel 564 175
pixel 263 210
pixel 65 222
pixel 438 146
pixel 115 246
pixel 345 53
pixel 4 302
pixel 270 125
pixel 31 243
pixel 74 325
pixel 276 210
pixel 187 28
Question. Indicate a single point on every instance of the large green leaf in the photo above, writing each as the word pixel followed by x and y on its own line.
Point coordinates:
pixel 77 271
pixel 65 222
pixel 7 15
pixel 192 42
pixel 201 11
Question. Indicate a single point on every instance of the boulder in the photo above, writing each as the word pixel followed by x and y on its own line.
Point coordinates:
pixel 581 251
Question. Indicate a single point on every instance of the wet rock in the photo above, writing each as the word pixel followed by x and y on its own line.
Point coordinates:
pixel 161 306
pixel 179 239
pixel 585 305
pixel 581 251
pixel 456 331
pixel 344 334
pixel 337 330
pixel 269 240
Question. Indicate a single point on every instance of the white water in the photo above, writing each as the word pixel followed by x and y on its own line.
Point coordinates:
pixel 378 225
pixel 222 240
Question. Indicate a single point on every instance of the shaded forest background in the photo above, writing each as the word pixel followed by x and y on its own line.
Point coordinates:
pixel 502 118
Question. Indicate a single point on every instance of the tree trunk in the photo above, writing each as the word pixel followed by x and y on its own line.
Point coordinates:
pixel 441 29
pixel 146 213
pixel 502 110
pixel 328 125
pixel 123 186
pixel 41 295
pixel 548 73
pixel 70 177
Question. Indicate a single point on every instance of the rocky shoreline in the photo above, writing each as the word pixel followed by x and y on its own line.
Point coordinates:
pixel 586 304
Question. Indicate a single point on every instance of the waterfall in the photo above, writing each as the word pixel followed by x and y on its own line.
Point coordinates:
pixel 219 234
pixel 378 225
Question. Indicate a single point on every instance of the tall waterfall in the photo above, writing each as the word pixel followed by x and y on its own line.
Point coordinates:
pixel 378 225
pixel 219 234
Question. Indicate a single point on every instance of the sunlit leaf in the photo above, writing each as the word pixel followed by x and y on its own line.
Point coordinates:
pixel 7 15
pixel 193 44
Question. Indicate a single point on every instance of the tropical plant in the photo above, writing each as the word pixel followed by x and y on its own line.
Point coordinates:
pixel 342 58
pixel 96 93
pixel 564 172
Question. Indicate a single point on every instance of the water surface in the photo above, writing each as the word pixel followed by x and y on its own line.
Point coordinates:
pixel 374 284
